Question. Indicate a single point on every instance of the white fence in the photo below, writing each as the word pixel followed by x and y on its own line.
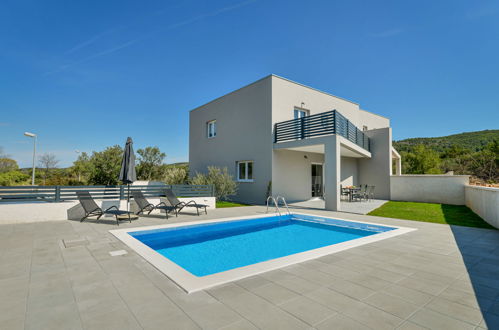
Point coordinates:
pixel 446 189
pixel 484 201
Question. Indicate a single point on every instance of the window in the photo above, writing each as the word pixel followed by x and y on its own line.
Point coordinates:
pixel 211 128
pixel 245 171
pixel 364 128
pixel 299 113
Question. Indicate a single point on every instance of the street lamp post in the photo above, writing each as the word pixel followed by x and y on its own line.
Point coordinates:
pixel 32 135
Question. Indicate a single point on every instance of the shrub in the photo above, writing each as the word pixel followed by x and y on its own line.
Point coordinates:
pixel 13 178
pixel 176 175
pixel 224 182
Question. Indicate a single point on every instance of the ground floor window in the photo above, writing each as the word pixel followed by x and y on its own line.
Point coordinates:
pixel 245 171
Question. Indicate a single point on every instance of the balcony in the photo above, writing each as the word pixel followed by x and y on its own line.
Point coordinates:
pixel 325 123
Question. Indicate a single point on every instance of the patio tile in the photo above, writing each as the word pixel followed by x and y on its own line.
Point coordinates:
pixel 351 289
pixel 64 317
pixel 455 310
pixel 340 321
pixel 410 326
pixel 274 293
pixel 425 286
pixel 410 295
pixel 297 284
pixel 262 313
pixel 307 310
pixel 240 325
pixel 392 305
pixel 16 323
pixel 466 298
pixel 117 319
pixel 214 316
pixel 253 282
pixel 434 320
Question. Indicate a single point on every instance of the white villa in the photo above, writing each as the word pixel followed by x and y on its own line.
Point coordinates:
pixel 296 140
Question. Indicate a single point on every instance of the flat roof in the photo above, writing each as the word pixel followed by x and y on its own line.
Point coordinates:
pixel 274 75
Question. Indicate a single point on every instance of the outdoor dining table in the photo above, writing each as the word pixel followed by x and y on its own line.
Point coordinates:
pixel 351 191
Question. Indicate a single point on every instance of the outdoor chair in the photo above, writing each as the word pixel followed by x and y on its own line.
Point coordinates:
pixel 362 193
pixel 92 209
pixel 370 193
pixel 178 205
pixel 144 205
pixel 344 192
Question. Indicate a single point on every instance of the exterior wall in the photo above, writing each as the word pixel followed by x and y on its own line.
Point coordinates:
pixel 244 132
pixel 25 212
pixel 286 95
pixel 372 121
pixel 376 171
pixel 292 177
pixel 446 189
pixel 245 120
pixel 349 171
pixel 484 201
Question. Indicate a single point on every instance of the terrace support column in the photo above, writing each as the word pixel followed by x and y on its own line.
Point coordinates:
pixel 398 166
pixel 332 175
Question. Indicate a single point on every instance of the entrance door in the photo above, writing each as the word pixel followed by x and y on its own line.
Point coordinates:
pixel 317 181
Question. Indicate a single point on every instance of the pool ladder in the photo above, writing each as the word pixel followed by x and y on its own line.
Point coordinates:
pixel 276 200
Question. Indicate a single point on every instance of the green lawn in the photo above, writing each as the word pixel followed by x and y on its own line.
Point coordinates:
pixel 438 213
pixel 222 204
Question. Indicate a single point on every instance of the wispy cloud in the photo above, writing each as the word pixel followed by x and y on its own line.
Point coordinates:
pixel 88 42
pixel 387 33
pixel 142 37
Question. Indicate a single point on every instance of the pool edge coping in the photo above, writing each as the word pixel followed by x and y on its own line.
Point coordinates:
pixel 191 283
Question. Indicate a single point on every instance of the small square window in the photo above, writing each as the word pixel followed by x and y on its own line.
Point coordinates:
pixel 245 171
pixel 211 128
pixel 364 128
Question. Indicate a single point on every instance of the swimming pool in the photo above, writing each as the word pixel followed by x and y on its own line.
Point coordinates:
pixel 202 254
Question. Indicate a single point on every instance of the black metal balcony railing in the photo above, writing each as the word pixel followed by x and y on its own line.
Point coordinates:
pixel 330 122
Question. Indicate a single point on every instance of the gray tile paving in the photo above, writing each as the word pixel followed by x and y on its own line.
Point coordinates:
pixel 438 277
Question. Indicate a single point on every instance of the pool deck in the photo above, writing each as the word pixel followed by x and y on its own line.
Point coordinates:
pixel 60 275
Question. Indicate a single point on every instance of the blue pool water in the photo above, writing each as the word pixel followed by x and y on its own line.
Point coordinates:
pixel 212 248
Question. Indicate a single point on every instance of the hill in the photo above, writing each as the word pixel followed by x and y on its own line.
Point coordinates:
pixel 473 141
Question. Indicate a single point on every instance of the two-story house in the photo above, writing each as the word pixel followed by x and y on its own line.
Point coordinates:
pixel 297 140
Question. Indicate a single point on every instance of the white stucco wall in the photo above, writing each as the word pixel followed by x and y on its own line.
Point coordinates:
pixel 292 175
pixel 376 171
pixel 349 171
pixel 244 133
pixel 445 189
pixel 484 201
pixel 26 212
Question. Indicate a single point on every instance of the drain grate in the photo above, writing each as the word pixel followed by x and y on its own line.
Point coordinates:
pixel 74 242
pixel 118 253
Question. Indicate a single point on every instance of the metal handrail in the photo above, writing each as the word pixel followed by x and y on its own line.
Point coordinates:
pixel 284 202
pixel 329 122
pixel 271 198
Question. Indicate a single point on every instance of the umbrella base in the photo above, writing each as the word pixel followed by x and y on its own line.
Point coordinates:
pixel 125 216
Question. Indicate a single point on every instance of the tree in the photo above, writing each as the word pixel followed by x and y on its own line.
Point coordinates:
pixel 7 165
pixel 106 166
pixel 485 163
pixel 47 161
pixel 422 160
pixel 82 167
pixel 224 182
pixel 150 160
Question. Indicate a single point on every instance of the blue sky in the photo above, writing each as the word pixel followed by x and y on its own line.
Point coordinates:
pixel 75 72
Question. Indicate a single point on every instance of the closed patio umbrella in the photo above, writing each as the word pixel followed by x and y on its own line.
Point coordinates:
pixel 127 172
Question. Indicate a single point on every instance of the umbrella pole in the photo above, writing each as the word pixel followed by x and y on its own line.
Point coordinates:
pixel 128 204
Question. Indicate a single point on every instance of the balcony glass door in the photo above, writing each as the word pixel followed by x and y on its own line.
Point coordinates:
pixel 317 180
